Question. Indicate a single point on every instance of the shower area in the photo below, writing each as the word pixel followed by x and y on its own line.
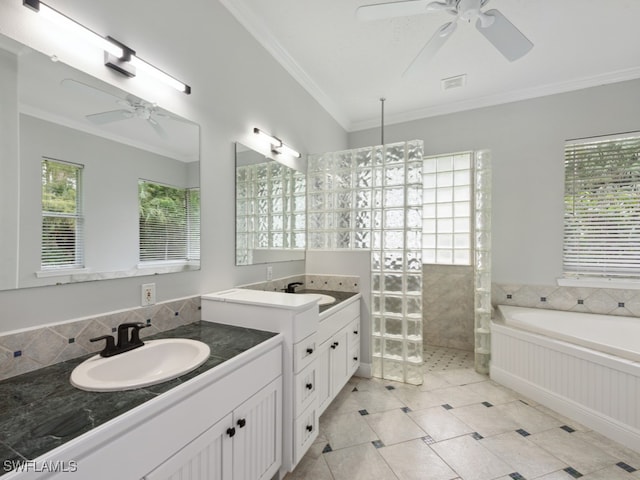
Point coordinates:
pixel 372 199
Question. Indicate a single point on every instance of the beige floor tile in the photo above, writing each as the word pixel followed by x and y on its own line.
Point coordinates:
pixel 562 419
pixel 485 421
pixel 470 459
pixel 440 424
pixel 491 392
pixel 610 473
pixel 416 399
pixel 525 457
pixel 559 475
pixel 572 450
pixel 431 382
pixel 616 450
pixel 376 401
pixel 526 417
pixel 362 462
pixel 461 376
pixel 414 460
pixel 457 396
pixel 346 430
pixel 394 426
pixel 345 402
pixel 312 466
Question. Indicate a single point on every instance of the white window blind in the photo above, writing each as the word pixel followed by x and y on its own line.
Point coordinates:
pixel 602 207
pixel 446 211
pixel 169 222
pixel 62 240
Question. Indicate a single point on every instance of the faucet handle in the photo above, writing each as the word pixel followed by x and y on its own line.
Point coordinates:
pixel 110 347
pixel 291 287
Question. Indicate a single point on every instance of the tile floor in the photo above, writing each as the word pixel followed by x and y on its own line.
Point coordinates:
pixel 457 425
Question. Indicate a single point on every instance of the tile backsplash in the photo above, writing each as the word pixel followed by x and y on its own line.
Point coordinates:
pixel 608 301
pixel 334 283
pixel 27 350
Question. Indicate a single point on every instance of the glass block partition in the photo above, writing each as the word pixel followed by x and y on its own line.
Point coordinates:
pixel 482 261
pixel 270 209
pixel 371 198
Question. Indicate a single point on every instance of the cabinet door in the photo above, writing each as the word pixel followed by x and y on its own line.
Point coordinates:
pixel 340 365
pixel 323 378
pixel 208 457
pixel 257 443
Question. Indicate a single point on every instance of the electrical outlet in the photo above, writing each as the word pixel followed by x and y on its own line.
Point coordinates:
pixel 148 294
pixel 269 272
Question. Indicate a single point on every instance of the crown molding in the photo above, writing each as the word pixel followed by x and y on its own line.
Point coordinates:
pixel 257 28
pixel 501 98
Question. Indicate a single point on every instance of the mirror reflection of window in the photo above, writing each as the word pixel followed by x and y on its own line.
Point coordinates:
pixel 169 222
pixel 62 216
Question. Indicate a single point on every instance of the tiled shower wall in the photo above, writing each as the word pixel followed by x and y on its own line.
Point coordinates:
pixel 448 308
pixel 608 301
pixel 32 349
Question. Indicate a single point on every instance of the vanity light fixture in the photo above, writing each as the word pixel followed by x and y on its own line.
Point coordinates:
pixel 118 57
pixel 277 146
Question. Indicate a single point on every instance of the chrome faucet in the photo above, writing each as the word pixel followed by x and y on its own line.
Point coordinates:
pixel 125 342
pixel 291 287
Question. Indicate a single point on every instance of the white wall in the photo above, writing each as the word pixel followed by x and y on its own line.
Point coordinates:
pixel 526 140
pixel 236 86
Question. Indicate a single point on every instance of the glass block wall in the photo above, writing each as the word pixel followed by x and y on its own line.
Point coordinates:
pixel 270 209
pixel 482 249
pixel 371 198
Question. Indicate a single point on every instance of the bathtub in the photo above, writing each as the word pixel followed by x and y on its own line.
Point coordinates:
pixel 584 366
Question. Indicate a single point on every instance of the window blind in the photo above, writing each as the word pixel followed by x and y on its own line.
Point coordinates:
pixel 602 207
pixel 168 229
pixel 62 236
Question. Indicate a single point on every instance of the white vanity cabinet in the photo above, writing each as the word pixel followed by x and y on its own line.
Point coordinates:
pixel 244 445
pixel 339 350
pixel 224 424
pixel 311 375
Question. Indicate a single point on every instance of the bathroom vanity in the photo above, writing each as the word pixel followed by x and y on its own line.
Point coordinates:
pixel 222 421
pixel 321 352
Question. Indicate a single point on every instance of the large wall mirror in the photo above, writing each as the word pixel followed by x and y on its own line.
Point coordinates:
pixel 270 209
pixel 96 183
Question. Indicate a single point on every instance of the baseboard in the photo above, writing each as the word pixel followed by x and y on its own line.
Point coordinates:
pixel 607 426
pixel 364 370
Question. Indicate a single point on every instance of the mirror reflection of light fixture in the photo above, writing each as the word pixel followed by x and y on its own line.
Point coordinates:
pixel 277 146
pixel 118 57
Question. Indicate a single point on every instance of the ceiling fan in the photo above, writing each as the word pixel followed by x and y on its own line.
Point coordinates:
pixel 495 27
pixel 132 107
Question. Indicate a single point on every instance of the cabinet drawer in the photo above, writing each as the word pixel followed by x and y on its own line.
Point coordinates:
pixel 305 432
pixel 334 322
pixel 354 332
pixel 305 384
pixel 304 352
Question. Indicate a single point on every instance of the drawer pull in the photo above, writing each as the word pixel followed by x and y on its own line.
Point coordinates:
pixel 242 422
pixel 309 386
pixel 231 431
pixel 355 358
pixel 355 332
pixel 309 428
pixel 333 346
pixel 309 351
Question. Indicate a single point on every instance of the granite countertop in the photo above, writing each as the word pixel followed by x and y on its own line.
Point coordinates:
pixel 339 296
pixel 41 410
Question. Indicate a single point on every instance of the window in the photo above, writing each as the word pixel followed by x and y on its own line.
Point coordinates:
pixel 602 207
pixel 169 222
pixel 62 219
pixel 446 214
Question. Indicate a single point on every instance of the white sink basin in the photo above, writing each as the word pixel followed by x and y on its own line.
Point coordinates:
pixel 325 299
pixel 155 362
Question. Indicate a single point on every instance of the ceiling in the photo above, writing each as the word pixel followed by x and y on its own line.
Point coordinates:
pixel 347 65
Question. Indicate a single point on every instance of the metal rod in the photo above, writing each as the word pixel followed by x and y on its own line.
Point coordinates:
pixel 382 99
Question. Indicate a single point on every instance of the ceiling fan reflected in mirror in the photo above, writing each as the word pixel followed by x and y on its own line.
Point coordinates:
pixel 495 27
pixel 132 107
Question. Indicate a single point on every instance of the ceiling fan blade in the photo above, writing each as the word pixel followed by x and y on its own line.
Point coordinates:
pixel 431 48
pixel 108 117
pixel 88 90
pixel 157 127
pixel 382 11
pixel 509 41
